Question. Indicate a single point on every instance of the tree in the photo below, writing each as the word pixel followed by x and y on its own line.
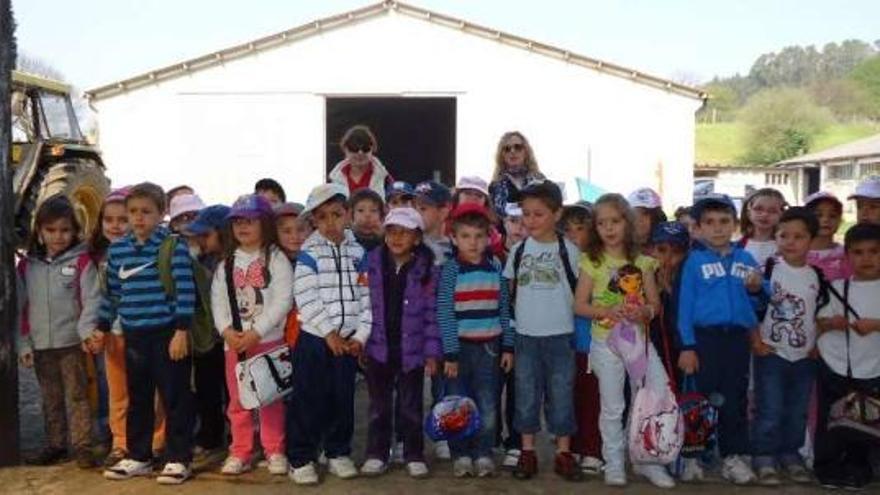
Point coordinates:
pixel 867 76
pixel 846 98
pixel 722 104
pixel 781 123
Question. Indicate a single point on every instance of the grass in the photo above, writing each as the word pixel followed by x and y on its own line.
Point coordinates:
pixel 724 143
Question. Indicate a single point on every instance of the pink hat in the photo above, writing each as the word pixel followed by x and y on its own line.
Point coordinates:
pixel 185 203
pixel 644 198
pixel 473 183
pixel 117 195
pixel 821 196
pixel 405 217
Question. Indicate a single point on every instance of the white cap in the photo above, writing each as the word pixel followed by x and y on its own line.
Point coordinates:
pixel 324 193
pixel 513 210
pixel 185 203
pixel 405 217
pixel 821 196
pixel 473 183
pixel 644 198
pixel 869 188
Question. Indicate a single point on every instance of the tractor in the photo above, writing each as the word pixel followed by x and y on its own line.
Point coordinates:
pixel 50 155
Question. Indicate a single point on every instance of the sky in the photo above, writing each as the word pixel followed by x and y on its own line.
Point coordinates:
pixel 95 42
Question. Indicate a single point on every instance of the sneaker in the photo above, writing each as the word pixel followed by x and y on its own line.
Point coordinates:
pixel 396 455
pixel 656 474
pixel 527 467
pixel 417 469
pixel 342 468
pixel 47 457
pixel 85 459
pixel 692 471
pixel 768 476
pixel 373 467
pixel 615 476
pixel 234 466
pixel 322 459
pixel 128 468
pixel 736 471
pixel 484 467
pixel 511 458
pixel 114 456
pixel 798 473
pixel 463 467
pixel 304 475
pixel 441 451
pixel 591 466
pixel 174 473
pixel 566 466
pixel 278 464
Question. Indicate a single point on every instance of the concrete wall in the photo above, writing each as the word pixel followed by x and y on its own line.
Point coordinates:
pixel 222 128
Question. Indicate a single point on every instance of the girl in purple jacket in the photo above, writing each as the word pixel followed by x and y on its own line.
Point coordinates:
pixel 404 344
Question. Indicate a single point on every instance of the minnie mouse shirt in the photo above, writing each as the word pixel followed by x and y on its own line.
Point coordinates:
pixel 264 295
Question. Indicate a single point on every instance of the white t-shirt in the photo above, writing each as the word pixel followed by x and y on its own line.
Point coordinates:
pixel 790 324
pixel 544 299
pixel 864 351
pixel 761 250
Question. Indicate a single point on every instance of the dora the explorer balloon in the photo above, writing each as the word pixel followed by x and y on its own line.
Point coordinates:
pixel 625 288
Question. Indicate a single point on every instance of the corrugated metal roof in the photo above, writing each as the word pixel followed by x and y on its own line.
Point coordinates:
pixel 351 17
pixel 868 146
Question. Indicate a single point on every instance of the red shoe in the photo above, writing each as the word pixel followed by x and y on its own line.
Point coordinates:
pixel 527 467
pixel 566 466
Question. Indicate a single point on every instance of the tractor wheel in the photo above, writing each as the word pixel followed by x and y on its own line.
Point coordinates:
pixel 81 180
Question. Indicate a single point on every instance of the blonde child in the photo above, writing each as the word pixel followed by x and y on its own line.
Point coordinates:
pixel 759 218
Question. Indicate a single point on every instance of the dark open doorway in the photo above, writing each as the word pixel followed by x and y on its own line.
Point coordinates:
pixel 813 182
pixel 416 135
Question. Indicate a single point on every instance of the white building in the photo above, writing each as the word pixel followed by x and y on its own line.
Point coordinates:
pixel 438 91
pixel 738 181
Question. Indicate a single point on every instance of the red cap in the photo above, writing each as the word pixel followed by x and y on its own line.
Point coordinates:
pixel 466 208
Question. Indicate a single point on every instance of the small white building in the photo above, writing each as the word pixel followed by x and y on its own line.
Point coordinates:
pixel 438 91
pixel 738 181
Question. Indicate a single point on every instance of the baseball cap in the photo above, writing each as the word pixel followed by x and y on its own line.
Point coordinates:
pixel 821 196
pixel 869 188
pixel 644 197
pixel 713 199
pixel 294 209
pixel 670 233
pixel 543 189
pixel 405 217
pixel 117 195
pixel 399 188
pixel 250 206
pixel 473 183
pixel 468 208
pixel 513 210
pixel 433 192
pixel 323 193
pixel 184 203
pixel 210 218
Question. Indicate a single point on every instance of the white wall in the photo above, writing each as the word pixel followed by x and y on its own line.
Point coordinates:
pixel 222 128
pixel 733 182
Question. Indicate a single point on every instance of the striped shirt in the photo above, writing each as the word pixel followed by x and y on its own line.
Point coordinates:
pixel 473 304
pixel 134 288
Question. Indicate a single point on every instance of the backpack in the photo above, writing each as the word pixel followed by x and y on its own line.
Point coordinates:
pixel 517 260
pixel 202 335
pixel 822 298
pixel 82 261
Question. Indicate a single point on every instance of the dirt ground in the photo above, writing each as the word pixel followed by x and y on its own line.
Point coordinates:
pixel 67 479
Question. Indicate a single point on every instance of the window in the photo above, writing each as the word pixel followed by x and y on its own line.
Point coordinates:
pixel 841 172
pixel 872 169
pixel 776 179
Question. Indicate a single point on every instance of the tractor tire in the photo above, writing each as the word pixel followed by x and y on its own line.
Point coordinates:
pixel 80 179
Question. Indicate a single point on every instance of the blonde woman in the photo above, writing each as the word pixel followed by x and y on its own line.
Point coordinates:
pixel 515 166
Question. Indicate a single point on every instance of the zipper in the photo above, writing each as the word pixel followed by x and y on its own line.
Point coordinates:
pixel 338 262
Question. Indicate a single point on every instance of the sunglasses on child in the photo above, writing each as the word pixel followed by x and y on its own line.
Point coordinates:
pixel 513 147
pixel 366 148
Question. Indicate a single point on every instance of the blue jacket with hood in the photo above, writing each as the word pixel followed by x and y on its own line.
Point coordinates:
pixel 713 292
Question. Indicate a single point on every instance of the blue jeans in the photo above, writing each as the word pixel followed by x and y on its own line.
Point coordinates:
pixel 782 394
pixel 545 376
pixel 479 377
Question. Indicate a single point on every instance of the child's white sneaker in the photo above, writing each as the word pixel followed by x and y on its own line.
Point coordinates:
pixel 417 469
pixel 278 464
pixel 591 466
pixel 342 468
pixel 511 458
pixel 174 473
pixel 463 467
pixel 768 476
pixel 373 467
pixel 396 456
pixel 234 466
pixel 441 450
pixel 304 475
pixel 656 474
pixel 127 469
pixel 615 476
pixel 692 470
pixel 484 467
pixel 737 471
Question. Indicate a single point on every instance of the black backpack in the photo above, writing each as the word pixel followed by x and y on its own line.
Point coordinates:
pixel 517 259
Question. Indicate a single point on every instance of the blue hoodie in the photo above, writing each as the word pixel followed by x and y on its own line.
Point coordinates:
pixel 713 292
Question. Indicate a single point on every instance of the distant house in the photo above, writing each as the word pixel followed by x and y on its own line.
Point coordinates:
pixel 737 181
pixel 836 170
pixel 439 92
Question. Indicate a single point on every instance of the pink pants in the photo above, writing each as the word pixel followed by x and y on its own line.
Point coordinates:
pixel 241 421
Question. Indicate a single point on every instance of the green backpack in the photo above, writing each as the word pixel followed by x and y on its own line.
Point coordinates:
pixel 202 334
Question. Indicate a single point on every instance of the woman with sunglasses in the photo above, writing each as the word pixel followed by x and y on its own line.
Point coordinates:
pixel 360 169
pixel 515 166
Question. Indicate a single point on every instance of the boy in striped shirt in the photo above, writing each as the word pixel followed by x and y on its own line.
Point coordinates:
pixel 156 328
pixel 473 312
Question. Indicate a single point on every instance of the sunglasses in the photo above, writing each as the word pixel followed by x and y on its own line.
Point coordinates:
pixel 513 147
pixel 355 148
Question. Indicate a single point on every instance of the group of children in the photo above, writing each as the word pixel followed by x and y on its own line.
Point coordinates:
pixel 518 313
